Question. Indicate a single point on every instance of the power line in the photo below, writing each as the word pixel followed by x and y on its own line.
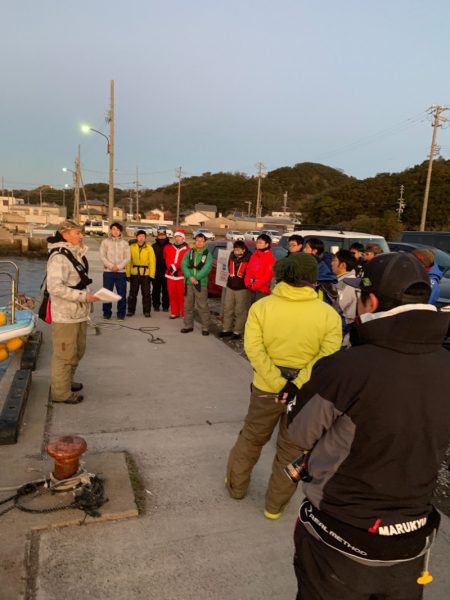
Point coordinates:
pixel 392 130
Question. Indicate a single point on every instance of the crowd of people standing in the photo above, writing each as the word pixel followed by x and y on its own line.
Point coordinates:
pixel 348 362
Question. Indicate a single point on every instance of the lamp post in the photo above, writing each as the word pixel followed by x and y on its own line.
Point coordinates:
pixel 109 150
pixel 77 179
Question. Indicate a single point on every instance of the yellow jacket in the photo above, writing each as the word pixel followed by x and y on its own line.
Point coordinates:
pixel 142 261
pixel 289 328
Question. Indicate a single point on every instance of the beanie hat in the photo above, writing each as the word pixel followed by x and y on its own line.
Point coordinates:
pixel 296 269
pixel 181 233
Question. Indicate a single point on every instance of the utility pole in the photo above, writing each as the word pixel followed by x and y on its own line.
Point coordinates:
pixel 77 177
pixel 138 216
pixel 249 204
pixel 261 174
pixel 130 210
pixel 179 174
pixel 401 203
pixel 436 110
pixel 111 156
pixel 285 197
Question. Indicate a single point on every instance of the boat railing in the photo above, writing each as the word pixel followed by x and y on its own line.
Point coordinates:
pixel 13 275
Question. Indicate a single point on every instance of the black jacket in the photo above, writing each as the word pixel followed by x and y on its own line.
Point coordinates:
pixel 378 419
pixel 158 248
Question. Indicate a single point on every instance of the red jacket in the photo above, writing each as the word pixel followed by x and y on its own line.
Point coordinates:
pixel 173 257
pixel 259 272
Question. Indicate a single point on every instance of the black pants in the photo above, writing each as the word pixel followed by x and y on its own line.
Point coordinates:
pixel 325 574
pixel 160 289
pixel 136 282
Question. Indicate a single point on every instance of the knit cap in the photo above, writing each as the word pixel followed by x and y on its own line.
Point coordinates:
pixel 296 269
pixel 180 232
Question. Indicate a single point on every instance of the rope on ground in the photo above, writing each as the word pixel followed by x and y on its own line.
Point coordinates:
pixel 152 339
pixel 88 497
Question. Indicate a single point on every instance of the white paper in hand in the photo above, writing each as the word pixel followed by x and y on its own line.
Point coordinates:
pixel 107 295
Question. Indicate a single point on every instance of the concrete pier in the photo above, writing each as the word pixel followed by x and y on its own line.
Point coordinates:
pixel 176 409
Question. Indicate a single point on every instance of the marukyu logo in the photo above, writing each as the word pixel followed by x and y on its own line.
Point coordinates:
pixel 400 528
pixel 366 282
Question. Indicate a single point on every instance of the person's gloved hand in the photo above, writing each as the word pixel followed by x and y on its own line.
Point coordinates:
pixel 288 392
pixel 128 279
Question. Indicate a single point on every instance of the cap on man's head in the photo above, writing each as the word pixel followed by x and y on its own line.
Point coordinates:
pixel 425 255
pixel 390 276
pixel 68 225
pixel 161 232
pixel 297 269
pixel 180 233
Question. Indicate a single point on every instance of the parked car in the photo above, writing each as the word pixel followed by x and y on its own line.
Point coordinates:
pixel 206 232
pixel 437 239
pixel 442 258
pixel 335 239
pixel 158 228
pixel 252 235
pixel 234 235
pixel 214 247
pixel 96 227
pixel 274 235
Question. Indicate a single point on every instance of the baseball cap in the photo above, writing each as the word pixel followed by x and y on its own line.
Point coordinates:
pixel 390 275
pixel 68 225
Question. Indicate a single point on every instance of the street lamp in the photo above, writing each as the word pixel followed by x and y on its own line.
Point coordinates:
pixel 109 150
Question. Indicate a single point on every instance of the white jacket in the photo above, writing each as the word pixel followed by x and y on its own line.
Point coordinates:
pixel 115 251
pixel 67 305
pixel 347 297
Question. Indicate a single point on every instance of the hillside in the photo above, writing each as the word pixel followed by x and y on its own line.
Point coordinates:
pixel 369 204
pixel 322 194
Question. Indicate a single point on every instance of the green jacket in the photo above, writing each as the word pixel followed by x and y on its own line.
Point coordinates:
pixel 199 270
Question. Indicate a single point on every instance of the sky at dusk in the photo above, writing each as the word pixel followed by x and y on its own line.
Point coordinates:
pixel 213 85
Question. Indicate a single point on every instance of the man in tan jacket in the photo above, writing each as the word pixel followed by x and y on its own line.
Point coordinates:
pixel 67 281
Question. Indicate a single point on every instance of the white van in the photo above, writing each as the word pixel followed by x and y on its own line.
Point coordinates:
pixel 336 239
pixel 92 227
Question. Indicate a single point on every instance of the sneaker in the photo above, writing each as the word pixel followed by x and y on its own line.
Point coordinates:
pixel 165 310
pixel 76 387
pixel 272 516
pixel 147 315
pixel 120 319
pixel 107 318
pixel 223 334
pixel 156 308
pixel 187 329
pixel 130 314
pixel 205 332
pixel 174 317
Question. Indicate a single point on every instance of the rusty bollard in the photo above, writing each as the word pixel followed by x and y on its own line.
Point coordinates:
pixel 66 452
